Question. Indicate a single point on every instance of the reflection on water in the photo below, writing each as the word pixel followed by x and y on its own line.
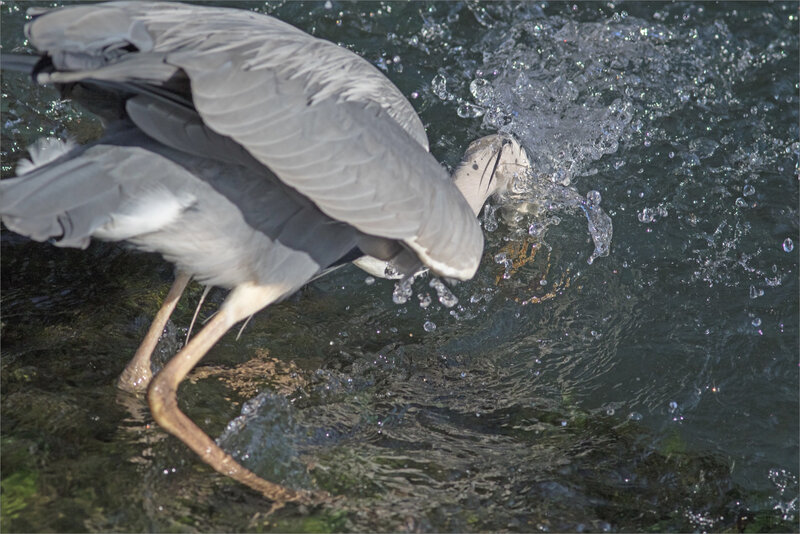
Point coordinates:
pixel 654 388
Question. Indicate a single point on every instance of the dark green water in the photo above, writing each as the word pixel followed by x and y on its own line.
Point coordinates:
pixel 653 390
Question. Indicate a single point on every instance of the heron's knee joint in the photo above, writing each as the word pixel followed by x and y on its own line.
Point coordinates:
pixel 161 395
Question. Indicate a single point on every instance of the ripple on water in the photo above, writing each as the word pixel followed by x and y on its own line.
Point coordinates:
pixel 645 392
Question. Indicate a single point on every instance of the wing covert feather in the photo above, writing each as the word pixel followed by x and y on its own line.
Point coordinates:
pixel 324 120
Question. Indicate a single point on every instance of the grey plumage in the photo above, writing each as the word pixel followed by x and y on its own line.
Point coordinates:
pixel 252 156
pixel 324 121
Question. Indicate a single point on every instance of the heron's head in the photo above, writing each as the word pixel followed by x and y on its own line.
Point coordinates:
pixel 488 167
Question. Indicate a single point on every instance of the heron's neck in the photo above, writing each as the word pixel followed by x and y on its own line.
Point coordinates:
pixel 476 185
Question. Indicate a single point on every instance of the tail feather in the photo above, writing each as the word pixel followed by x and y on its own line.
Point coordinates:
pixel 45 150
pixel 64 201
pixel 115 189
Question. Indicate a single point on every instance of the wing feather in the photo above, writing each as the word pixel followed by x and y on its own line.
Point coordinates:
pixel 325 121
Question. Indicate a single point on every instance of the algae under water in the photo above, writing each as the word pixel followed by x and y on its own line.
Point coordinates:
pixel 654 389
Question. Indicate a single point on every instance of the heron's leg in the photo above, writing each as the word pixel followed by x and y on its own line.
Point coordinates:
pixel 137 374
pixel 242 302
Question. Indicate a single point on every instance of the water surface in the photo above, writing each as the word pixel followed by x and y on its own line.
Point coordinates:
pixel 653 389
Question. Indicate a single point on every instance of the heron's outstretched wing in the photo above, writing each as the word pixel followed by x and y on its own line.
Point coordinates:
pixel 325 121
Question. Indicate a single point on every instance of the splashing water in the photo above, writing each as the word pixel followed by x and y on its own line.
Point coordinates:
pixel 446 297
pixel 551 197
pixel 575 92
pixel 567 111
pixel 262 431
pixel 648 392
pixel 600 226
pixel 403 290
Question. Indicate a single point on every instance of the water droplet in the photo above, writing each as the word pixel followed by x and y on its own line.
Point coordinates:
pixel 402 290
pixel 501 258
pixel 635 416
pixel 424 301
pixel 673 406
pixel 757 322
pixel 446 297
pixel 439 87
pixel 523 84
pixel 481 91
pixel 593 199
pixel 429 326
pixel 647 215
pixel 788 245
pixel 328 4
pixel 369 280
pixel 748 190
pixel 755 293
pixel 489 219
pixel 740 202
pixel 466 110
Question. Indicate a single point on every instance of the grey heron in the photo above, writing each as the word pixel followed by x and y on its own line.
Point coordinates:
pixel 252 156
